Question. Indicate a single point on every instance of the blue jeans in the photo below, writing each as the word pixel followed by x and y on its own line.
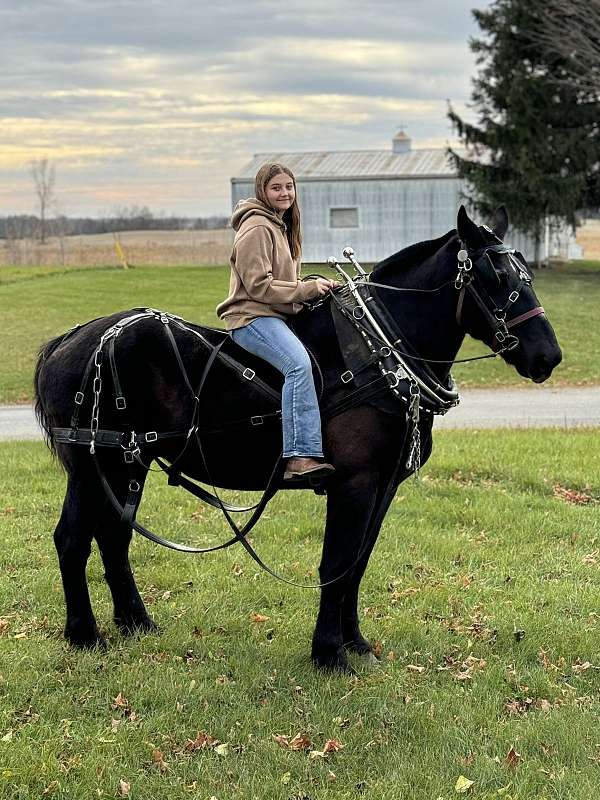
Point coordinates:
pixel 271 339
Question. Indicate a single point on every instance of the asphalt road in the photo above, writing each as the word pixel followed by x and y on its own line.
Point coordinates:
pixel 532 407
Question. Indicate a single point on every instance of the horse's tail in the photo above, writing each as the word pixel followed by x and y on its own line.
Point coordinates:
pixel 42 413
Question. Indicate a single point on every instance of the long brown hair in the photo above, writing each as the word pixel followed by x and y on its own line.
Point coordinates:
pixel 291 216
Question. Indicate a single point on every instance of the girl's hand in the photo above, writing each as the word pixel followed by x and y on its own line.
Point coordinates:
pixel 324 285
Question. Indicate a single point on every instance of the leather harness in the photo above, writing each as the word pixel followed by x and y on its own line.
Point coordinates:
pixel 379 374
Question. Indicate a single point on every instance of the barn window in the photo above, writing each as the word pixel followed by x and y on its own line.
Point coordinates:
pixel 343 217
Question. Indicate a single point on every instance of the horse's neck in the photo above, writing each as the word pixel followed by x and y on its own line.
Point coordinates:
pixel 427 319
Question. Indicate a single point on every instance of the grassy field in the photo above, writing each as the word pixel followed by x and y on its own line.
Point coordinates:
pixel 137 247
pixel 482 596
pixel 40 302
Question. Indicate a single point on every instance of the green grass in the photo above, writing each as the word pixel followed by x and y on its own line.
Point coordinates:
pixel 38 303
pixel 489 543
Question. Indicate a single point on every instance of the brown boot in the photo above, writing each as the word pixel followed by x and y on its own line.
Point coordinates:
pixel 299 467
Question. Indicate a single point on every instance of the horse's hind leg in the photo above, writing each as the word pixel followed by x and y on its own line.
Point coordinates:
pixel 113 539
pixel 72 538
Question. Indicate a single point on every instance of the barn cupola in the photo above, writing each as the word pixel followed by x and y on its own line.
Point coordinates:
pixel 401 143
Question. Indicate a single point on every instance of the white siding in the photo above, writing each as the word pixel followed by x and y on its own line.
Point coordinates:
pixel 392 214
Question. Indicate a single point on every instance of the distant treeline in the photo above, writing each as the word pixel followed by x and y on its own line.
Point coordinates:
pixel 26 226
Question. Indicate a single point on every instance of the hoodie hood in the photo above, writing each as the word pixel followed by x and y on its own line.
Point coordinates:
pixel 250 207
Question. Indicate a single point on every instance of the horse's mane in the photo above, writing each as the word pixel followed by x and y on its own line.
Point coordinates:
pixel 413 254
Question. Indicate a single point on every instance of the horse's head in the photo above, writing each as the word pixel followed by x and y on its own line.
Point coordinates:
pixel 497 304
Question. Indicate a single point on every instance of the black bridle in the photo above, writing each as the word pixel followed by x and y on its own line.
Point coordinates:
pixel 494 313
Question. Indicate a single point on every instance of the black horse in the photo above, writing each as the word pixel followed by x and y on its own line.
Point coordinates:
pixel 367 443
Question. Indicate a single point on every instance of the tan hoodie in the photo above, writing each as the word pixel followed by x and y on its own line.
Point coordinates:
pixel 264 278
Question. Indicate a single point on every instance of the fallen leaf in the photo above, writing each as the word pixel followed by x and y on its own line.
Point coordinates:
pixel 258 618
pixel 50 788
pixel 300 742
pixel 222 749
pixel 572 496
pixel 512 758
pixel 463 784
pixel 415 668
pixel 157 758
pixel 121 702
pixel 281 739
pixel 201 741
pixel 332 746
pixel 7 737
pixel 124 788
pixel 578 667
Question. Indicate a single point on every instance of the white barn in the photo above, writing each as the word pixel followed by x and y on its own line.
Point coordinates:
pixel 377 201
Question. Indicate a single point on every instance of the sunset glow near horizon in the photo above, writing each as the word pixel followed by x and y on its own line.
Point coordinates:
pixel 160 107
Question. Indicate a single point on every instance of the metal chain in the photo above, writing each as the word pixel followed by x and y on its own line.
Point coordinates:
pixel 96 388
pixel 412 417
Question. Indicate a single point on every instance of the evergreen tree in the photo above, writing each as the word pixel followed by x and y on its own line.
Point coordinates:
pixel 536 143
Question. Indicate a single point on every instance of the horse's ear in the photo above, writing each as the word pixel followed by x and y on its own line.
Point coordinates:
pixel 467 230
pixel 501 222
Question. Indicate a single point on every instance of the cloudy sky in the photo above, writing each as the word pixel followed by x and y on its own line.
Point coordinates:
pixel 160 102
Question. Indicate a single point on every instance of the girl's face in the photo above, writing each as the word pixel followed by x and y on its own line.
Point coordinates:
pixel 280 192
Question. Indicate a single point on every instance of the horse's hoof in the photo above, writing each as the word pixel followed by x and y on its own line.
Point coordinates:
pixel 369 660
pixel 359 646
pixel 86 639
pixel 333 662
pixel 130 626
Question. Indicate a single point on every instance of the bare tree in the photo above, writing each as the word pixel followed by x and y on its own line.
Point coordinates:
pixel 44 179
pixel 571 30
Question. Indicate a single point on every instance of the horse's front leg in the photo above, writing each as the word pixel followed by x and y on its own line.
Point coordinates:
pixel 354 641
pixel 113 538
pixel 349 507
pixel 353 638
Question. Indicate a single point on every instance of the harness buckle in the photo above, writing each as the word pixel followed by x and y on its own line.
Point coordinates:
pixel 392 378
pixel 134 486
pixel 385 351
pixel 120 403
pixel 500 336
pixel 347 376
pixel 513 297
pixel 248 374
pixel 128 456
pixel 358 312
pixel 78 398
pixel 151 436
pixel 257 420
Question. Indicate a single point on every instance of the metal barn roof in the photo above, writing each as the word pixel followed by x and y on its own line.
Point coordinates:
pixel 349 164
